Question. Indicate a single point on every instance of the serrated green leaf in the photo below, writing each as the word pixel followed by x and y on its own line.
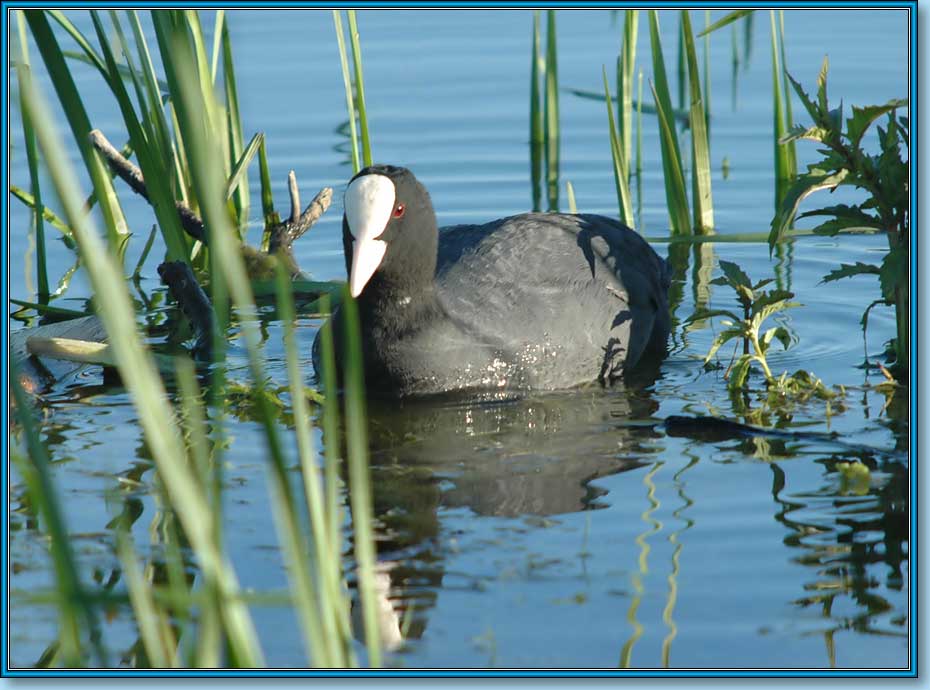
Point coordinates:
pixel 835 119
pixel 822 85
pixel 767 299
pixel 764 312
pixel 739 372
pixel 745 294
pixel 862 118
pixel 809 105
pixel 854 213
pixel 893 272
pixel 762 283
pixel 702 313
pixel 837 225
pixel 723 338
pixel 849 270
pixel 801 132
pixel 803 186
pixel 782 334
pixel 734 274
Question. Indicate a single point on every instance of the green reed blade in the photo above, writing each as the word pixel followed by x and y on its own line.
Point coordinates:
pixel 786 89
pixel 329 378
pixel 206 155
pixel 235 130
pixel 47 214
pixel 48 309
pixel 734 68
pixel 150 162
pixel 137 271
pixel 675 191
pixel 625 69
pixel 359 87
pixel 89 53
pixel 779 130
pixel 706 80
pixel 75 609
pixel 195 35
pixel 238 176
pixel 79 122
pixel 219 27
pixel 359 479
pixel 725 20
pixel 24 72
pixel 551 119
pixel 334 604
pixel 158 642
pixel 128 70
pixel 347 82
pixel 747 39
pixel 138 373
pixel 271 216
pixel 700 149
pixel 206 649
pixel 154 118
pixel 124 71
pixel 681 116
pixel 570 191
pixel 619 164
pixel 682 81
pixel 152 106
pixel 536 119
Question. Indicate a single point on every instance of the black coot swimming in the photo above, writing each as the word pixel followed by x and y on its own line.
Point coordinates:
pixel 530 302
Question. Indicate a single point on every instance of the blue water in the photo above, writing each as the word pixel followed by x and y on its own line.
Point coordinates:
pixel 550 532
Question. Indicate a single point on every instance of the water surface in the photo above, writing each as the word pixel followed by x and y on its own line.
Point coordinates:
pixel 566 529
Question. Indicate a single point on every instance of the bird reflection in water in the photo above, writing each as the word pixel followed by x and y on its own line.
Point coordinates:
pixel 497 456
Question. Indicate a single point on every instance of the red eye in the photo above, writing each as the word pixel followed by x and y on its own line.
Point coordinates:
pixel 399 210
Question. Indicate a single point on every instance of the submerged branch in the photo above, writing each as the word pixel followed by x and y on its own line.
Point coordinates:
pixel 180 279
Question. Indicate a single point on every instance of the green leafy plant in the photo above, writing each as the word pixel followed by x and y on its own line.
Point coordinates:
pixel 883 175
pixel 757 305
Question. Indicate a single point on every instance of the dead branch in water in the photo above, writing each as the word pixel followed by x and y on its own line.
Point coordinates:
pixel 281 236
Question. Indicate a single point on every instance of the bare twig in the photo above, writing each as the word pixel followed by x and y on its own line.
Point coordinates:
pixel 284 235
pixel 295 196
pixel 131 175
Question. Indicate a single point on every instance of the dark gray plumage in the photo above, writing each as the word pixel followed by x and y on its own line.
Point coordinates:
pixel 534 301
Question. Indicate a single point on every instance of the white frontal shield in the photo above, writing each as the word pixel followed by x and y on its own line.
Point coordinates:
pixel 369 202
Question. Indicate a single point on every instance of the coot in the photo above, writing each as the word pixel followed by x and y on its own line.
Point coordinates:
pixel 537 301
